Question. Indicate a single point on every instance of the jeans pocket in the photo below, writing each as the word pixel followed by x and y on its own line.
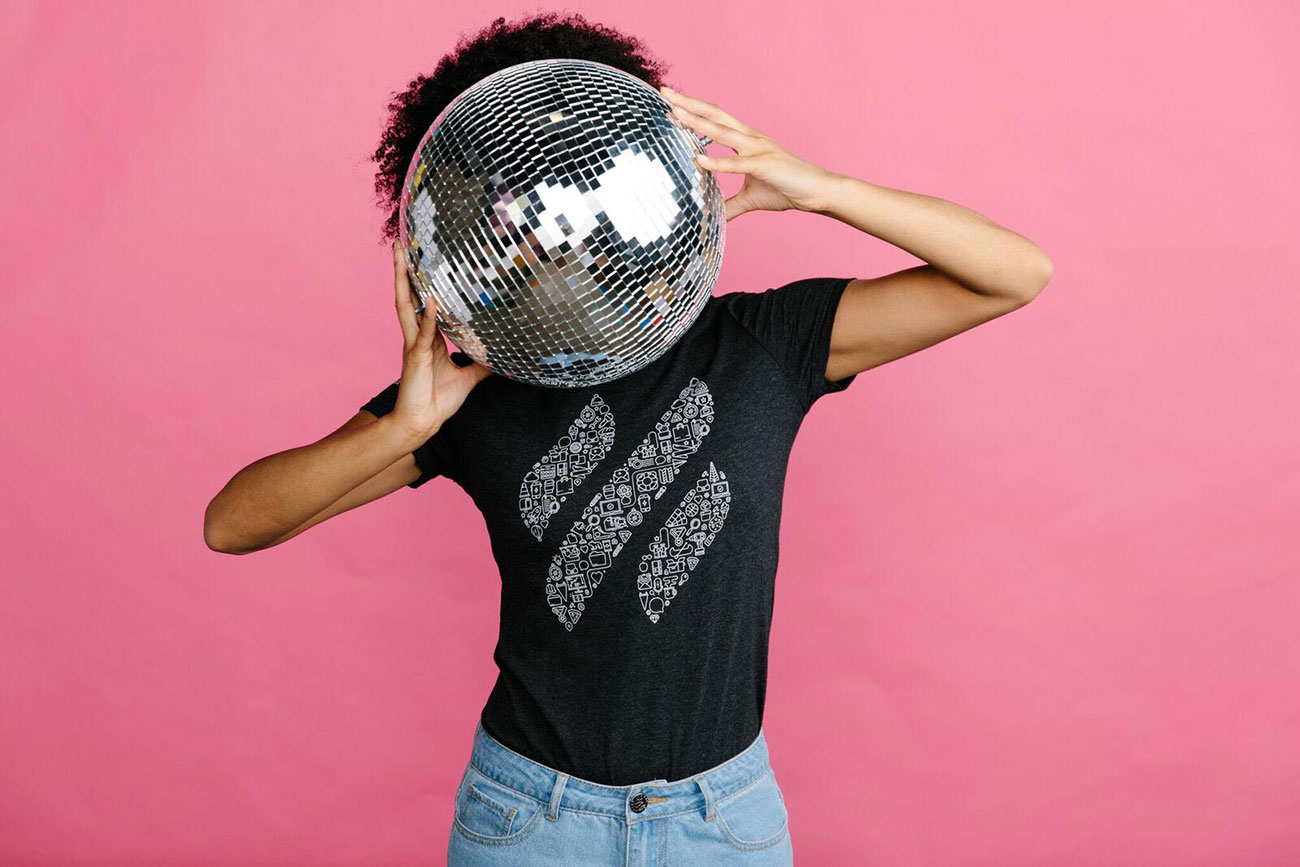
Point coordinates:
pixel 754 817
pixel 490 812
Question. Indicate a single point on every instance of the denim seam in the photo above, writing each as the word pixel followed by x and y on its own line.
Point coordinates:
pixel 751 845
pixel 749 784
pixel 746 785
pixel 590 812
pixel 506 814
pixel 512 840
pixel 570 809
pixel 506 785
pixel 556 802
pixel 640 819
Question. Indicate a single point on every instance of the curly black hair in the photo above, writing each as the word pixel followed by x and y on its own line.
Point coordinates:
pixel 540 36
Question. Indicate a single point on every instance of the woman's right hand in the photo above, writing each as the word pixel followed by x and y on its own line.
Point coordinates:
pixel 432 386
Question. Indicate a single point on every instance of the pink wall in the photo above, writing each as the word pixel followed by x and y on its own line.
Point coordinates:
pixel 1037 603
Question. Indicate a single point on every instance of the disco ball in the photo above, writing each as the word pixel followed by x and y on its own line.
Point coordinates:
pixel 555 213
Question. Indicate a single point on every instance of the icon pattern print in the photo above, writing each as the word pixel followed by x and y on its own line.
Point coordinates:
pixel 562 469
pixel 682 540
pixel 610 519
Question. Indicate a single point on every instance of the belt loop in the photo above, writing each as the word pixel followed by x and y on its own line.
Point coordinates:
pixel 708 797
pixel 557 793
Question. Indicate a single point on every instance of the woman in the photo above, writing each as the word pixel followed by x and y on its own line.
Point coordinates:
pixel 635 523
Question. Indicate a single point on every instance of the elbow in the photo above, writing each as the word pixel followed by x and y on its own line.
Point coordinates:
pixel 1037 274
pixel 217 535
pixel 216 540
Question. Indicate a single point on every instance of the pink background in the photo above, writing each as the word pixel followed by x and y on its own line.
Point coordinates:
pixel 1037 602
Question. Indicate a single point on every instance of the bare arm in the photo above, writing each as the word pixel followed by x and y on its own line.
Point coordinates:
pixel 279 496
pixel 976 271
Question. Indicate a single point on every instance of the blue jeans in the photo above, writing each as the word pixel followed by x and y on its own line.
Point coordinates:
pixel 511 810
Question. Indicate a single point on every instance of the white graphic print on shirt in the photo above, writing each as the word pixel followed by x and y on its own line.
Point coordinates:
pixel 599 534
pixel 561 470
pixel 681 541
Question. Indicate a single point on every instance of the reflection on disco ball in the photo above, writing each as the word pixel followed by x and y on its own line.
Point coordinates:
pixel 555 214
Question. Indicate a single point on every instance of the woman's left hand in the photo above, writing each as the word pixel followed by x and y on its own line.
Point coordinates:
pixel 775 179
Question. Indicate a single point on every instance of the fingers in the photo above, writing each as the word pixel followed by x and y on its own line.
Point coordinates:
pixel 419 330
pixel 740 164
pixel 428 336
pixel 402 289
pixel 706 109
pixel 734 139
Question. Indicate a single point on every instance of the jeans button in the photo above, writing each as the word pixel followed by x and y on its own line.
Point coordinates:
pixel 638 802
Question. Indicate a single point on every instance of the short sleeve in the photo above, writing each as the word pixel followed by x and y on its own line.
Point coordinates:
pixel 793 323
pixel 430 456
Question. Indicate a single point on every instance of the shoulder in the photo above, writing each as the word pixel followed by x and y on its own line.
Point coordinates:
pixel 732 304
pixel 789 306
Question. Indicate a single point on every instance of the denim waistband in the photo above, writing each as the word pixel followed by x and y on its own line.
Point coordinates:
pixel 657 798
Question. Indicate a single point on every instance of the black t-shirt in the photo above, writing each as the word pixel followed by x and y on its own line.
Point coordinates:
pixel 635 526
